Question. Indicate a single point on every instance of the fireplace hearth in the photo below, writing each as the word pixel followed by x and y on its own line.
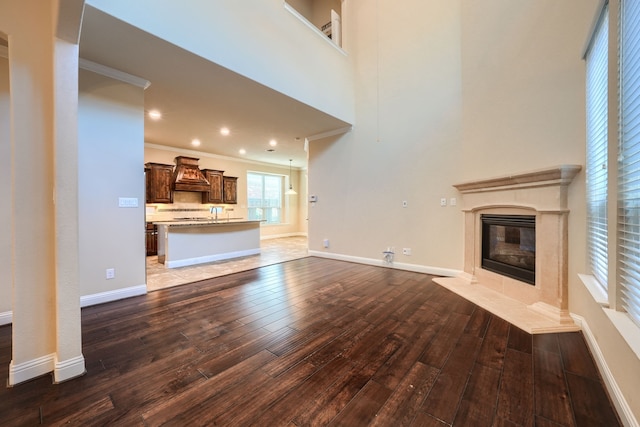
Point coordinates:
pixel 509 246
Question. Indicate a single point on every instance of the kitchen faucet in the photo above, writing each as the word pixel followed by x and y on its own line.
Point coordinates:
pixel 213 209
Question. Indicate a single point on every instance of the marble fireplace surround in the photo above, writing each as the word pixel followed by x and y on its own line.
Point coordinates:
pixel 543 193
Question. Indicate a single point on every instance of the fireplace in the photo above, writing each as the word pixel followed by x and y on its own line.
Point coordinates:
pixel 520 272
pixel 509 246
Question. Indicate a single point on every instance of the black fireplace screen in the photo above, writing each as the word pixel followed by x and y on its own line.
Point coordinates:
pixel 509 246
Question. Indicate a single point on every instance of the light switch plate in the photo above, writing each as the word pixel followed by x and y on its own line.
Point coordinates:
pixel 127 202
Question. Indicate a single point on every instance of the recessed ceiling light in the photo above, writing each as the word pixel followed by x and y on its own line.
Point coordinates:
pixel 224 131
pixel 195 142
pixel 242 151
pixel 273 143
pixel 155 115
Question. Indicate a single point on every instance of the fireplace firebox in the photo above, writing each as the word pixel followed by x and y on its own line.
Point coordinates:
pixel 509 246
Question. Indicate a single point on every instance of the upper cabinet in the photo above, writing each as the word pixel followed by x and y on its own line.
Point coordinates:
pixel 215 193
pixel 159 178
pixel 230 189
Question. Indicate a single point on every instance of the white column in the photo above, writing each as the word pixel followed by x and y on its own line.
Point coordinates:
pixel 44 249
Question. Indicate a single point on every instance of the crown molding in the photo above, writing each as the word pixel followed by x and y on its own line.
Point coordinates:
pixel 201 154
pixel 85 64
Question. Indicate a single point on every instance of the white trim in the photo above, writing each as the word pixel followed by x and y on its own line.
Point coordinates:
pixel 103 70
pixel 334 132
pixel 437 271
pixel 85 64
pixel 202 154
pixel 108 296
pixel 68 369
pixel 6 318
pixel 25 371
pixel 210 258
pixel 315 29
pixel 594 288
pixel 624 411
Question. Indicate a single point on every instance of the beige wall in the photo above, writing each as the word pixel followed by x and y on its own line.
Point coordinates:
pixel 295 215
pixel 5 190
pixel 111 138
pixel 405 144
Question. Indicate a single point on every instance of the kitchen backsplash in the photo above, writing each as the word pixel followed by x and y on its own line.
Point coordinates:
pixel 189 205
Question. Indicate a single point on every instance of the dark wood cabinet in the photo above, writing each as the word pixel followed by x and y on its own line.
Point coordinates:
pixel 159 178
pixel 215 193
pixel 151 234
pixel 230 189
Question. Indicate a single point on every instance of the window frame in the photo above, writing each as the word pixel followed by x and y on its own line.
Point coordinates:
pixel 597 166
pixel 281 207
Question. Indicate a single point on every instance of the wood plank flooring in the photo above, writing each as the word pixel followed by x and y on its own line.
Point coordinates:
pixel 312 342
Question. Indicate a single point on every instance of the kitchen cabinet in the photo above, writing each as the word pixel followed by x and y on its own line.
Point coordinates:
pixel 230 189
pixel 151 234
pixel 159 178
pixel 215 193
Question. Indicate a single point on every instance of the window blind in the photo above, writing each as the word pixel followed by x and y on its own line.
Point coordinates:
pixel 597 142
pixel 629 160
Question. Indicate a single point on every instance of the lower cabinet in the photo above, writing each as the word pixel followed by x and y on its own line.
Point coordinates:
pixel 151 234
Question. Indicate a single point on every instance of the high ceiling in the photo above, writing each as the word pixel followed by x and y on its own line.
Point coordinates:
pixel 197 98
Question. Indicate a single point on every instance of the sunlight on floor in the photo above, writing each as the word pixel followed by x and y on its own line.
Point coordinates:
pixel 272 251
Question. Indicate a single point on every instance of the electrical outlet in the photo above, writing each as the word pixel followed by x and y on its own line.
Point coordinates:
pixel 325 243
pixel 111 273
pixel 406 251
pixel 443 201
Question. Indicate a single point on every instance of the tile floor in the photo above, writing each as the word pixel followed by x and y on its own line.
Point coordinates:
pixel 273 251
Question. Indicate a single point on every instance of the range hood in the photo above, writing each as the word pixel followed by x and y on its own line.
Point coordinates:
pixel 187 175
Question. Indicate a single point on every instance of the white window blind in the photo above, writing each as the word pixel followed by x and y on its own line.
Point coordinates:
pixel 629 160
pixel 597 135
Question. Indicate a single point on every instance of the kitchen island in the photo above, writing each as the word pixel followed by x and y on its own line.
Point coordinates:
pixel 191 242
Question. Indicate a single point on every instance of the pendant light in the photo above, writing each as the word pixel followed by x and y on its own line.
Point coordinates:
pixel 290 191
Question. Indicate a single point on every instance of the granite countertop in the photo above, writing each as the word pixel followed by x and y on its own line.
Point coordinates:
pixel 206 221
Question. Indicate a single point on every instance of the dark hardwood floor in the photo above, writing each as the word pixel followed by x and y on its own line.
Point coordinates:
pixel 313 342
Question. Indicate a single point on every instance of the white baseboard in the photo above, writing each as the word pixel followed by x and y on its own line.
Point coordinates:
pixel 30 369
pixel 67 369
pixel 62 371
pixel 108 296
pixel 624 411
pixel 437 271
pixel 6 318
pixel 210 258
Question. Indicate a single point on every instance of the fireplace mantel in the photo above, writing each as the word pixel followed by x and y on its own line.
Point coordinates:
pixel 559 175
pixel 544 194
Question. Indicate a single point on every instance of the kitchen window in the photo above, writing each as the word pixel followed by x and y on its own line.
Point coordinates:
pixel 264 194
